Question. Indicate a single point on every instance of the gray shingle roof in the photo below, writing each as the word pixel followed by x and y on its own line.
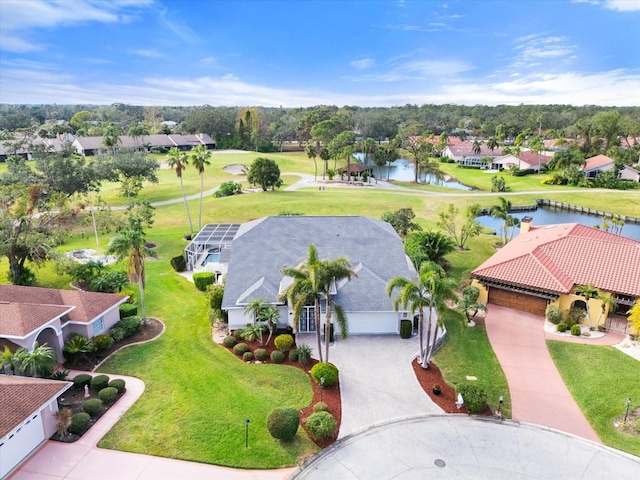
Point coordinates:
pixel 261 249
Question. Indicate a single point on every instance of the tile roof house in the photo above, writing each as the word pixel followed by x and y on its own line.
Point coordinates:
pixel 46 315
pixel 544 265
pixel 596 165
pixel 263 247
pixel 523 160
pixel 27 416
pixel 463 153
pixel 88 146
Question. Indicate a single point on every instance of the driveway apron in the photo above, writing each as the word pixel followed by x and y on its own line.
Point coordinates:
pixel 538 393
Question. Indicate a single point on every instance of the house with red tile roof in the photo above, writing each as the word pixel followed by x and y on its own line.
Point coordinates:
pixel 595 165
pixel 523 160
pixel 27 416
pixel 463 153
pixel 544 265
pixel 46 315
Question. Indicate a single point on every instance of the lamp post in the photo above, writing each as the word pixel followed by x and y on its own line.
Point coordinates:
pixel 246 433
pixel 322 388
pixel 500 402
pixel 626 414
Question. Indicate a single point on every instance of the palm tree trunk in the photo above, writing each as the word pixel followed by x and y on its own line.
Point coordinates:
pixel 434 338
pixel 327 330
pixel 186 204
pixel 421 333
pixel 316 319
pixel 425 357
pixel 201 191
pixel 143 307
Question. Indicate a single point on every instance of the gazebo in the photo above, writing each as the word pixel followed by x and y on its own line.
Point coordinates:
pixel 355 168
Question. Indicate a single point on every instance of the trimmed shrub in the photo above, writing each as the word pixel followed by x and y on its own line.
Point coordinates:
pixel 79 381
pixel 283 342
pixel 405 328
pixel 575 315
pixel 562 327
pixel 116 333
pixel 325 370
pixel 102 342
pixel 321 425
pixel 178 263
pixel 240 349
pixel 294 355
pixel 320 407
pixel 128 326
pixel 79 423
pixel 247 356
pixel 553 314
pixel 77 346
pixel 576 330
pixel 128 310
pixel 283 423
pixel 203 279
pixel 227 189
pixel 99 382
pixel 92 406
pixel 277 356
pixel 304 354
pixel 260 354
pixel 118 384
pixel 108 395
pixel 474 396
pixel 229 341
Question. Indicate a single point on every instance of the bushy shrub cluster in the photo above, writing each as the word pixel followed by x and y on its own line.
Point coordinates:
pixel 229 341
pixel 240 349
pixel 321 425
pixel 576 330
pixel 102 342
pixel 260 354
pixel 405 328
pixel 474 396
pixel 325 370
pixel 178 263
pixel 108 395
pixel 79 423
pixel 283 423
pixel 79 381
pixel 99 382
pixel 553 314
pixel 283 342
pixel 203 279
pixel 277 356
pixel 76 346
pixel 228 188
pixel 92 406
pixel 125 328
pixel 118 384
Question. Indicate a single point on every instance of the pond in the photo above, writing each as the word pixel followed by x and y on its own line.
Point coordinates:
pixel 403 170
pixel 547 216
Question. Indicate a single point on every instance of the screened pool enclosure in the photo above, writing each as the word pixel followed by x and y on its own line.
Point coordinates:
pixel 211 247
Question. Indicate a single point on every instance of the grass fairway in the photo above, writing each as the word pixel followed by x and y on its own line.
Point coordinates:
pixel 600 380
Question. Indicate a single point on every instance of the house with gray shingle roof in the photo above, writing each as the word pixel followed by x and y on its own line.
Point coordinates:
pixel 262 248
pixel 88 146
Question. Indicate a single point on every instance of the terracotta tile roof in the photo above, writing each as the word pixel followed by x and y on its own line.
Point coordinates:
pixel 597 162
pixel 21 397
pixel 557 257
pixel 19 319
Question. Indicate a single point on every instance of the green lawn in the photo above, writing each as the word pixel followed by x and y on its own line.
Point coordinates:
pixel 600 380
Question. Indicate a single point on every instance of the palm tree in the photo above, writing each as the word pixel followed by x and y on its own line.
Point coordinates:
pixel 8 359
pixel 492 143
pixel 502 212
pixel 312 153
pixel 111 137
pixel 38 362
pixel 201 160
pixel 325 155
pixel 588 292
pixel 270 315
pixel 179 160
pixel 332 272
pixel 608 303
pixel 476 147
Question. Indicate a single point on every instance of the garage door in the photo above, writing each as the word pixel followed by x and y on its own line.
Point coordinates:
pixel 517 300
pixel 20 443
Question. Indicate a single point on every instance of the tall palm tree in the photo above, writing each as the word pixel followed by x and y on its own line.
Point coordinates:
pixel 9 360
pixel 608 304
pixel 476 147
pixel 38 362
pixel 312 153
pixel 200 160
pixel 492 143
pixel 502 212
pixel 179 160
pixel 332 272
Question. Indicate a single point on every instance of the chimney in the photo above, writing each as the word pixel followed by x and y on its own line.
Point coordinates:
pixel 525 224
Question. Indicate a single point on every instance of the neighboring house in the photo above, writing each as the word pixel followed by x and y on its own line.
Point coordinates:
pixel 462 153
pixel 27 416
pixel 88 146
pixel 630 173
pixel 595 165
pixel 524 161
pixel 263 247
pixel 46 315
pixel 7 147
pixel 544 265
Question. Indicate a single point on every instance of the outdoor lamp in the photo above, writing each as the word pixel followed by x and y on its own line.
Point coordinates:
pixel 321 387
pixel 626 414
pixel 246 433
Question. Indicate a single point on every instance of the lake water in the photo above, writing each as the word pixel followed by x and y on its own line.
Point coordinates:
pixel 403 170
pixel 545 216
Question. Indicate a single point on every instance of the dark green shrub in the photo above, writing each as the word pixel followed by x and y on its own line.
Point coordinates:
pixel 575 315
pixel 227 189
pixel 229 341
pixel 260 354
pixel 240 349
pixel 277 356
pixel 320 407
pixel 203 279
pixel 304 354
pixel 118 384
pixel 79 381
pixel 92 406
pixel 247 356
pixel 108 395
pixel 59 375
pixel 321 425
pixel 325 370
pixel 102 342
pixel 178 263
pixel 474 396
pixel 294 355
pixel 575 330
pixel 110 281
pixel 128 310
pixel 283 342
pixel 116 333
pixel 553 314
pixel 77 346
pixel 283 423
pixel 79 423
pixel 405 328
pixel 99 382
pixel 127 327
pixel 562 327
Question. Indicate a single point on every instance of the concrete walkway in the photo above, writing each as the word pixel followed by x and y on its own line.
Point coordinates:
pixel 538 393
pixel 457 446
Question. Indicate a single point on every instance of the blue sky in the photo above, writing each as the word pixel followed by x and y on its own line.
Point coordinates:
pixel 302 52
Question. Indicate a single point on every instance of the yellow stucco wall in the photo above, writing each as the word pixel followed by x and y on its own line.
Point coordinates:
pixel 484 293
pixel 564 302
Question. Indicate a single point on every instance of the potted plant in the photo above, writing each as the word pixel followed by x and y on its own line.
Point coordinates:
pixel 436 389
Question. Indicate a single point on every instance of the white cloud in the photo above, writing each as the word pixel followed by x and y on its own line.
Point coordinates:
pixel 407 67
pixel 623 5
pixel 363 63
pixel 147 52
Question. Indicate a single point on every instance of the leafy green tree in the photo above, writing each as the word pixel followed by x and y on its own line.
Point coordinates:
pixel 128 169
pixel 179 160
pixel 80 119
pixel 312 152
pixel 402 221
pixel 415 145
pixel 608 124
pixel 386 155
pixel 39 362
pixel 469 305
pixel 342 146
pixel 264 172
pixel 428 246
pixel 499 184
pixel 470 227
pixel 200 160
pixel 111 137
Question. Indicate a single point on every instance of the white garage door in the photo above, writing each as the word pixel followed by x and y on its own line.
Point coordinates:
pixel 20 443
pixel 373 322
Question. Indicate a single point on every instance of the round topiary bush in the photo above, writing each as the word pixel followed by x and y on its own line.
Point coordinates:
pixel 79 381
pixel 293 355
pixel 325 370
pixel 562 327
pixel 474 396
pixel 320 407
pixel 576 330
pixel 79 423
pixel 247 356
pixel 283 342
pixel 99 382
pixel 321 425
pixel 118 384
pixel 277 356
pixel 108 395
pixel 283 423
pixel 92 406
pixel 553 314
pixel 229 341
pixel 240 349
pixel 260 354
